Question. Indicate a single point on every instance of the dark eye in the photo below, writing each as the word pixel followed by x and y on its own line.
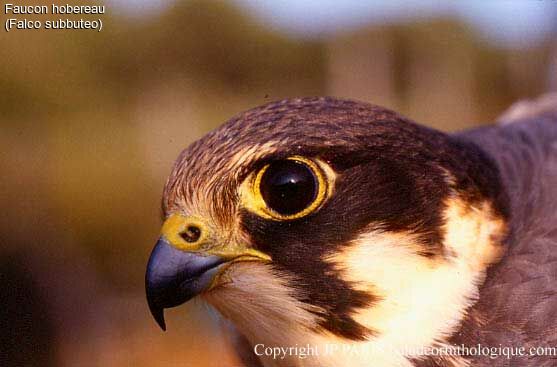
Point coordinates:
pixel 288 187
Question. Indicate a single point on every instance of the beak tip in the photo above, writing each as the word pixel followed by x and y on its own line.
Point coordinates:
pixel 158 315
pixel 162 324
pixel 174 277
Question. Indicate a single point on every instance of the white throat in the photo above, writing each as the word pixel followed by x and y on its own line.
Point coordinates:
pixel 422 301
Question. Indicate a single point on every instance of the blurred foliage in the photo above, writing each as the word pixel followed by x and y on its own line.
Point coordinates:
pixel 438 72
pixel 82 88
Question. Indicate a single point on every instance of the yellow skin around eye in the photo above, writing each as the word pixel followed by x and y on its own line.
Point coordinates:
pixel 253 200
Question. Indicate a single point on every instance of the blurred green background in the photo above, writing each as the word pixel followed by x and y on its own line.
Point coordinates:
pixel 90 124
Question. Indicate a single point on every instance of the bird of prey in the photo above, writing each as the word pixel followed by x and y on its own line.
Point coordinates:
pixel 331 232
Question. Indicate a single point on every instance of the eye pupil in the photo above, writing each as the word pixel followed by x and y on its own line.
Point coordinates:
pixel 288 186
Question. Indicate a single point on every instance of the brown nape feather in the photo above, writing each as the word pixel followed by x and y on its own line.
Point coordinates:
pixel 423 206
pixel 518 302
pixel 517 306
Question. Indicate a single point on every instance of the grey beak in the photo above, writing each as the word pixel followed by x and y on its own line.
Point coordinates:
pixel 173 277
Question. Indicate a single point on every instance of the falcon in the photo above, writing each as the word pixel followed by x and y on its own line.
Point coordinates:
pixel 331 232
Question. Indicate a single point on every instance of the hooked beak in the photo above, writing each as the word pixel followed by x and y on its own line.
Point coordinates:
pixel 174 277
pixel 186 261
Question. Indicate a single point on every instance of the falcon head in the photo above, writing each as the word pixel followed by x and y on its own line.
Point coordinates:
pixel 329 221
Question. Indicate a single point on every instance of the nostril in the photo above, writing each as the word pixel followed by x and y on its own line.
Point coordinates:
pixel 191 234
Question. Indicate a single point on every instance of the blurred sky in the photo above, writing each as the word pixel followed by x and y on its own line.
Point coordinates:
pixel 516 23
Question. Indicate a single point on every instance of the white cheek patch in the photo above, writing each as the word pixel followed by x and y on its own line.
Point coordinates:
pixel 474 234
pixel 422 300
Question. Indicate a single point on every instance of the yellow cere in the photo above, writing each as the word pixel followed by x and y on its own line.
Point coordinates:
pixel 207 243
pixel 176 224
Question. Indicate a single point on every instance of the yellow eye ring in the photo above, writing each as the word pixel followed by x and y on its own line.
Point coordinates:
pixel 322 180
